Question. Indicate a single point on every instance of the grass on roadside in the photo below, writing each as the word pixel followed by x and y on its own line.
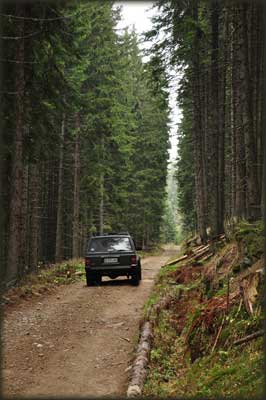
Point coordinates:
pixel 45 279
pixel 237 373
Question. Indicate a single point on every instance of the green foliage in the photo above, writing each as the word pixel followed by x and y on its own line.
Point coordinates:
pixel 84 78
pixel 231 373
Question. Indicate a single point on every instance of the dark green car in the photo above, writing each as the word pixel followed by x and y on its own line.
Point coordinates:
pixel 112 255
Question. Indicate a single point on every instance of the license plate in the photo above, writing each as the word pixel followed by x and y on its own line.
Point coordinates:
pixel 110 260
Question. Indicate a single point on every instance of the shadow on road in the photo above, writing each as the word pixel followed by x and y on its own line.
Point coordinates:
pixel 115 282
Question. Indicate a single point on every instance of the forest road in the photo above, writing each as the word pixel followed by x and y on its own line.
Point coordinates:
pixel 77 341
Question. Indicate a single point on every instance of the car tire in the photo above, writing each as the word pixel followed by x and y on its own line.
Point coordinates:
pixel 139 271
pixel 90 279
pixel 98 279
pixel 135 278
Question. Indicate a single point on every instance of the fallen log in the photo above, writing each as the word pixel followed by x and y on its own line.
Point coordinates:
pixel 221 236
pixel 176 260
pixel 202 253
pixel 206 257
pixel 249 337
pixel 139 370
pixel 193 239
pixel 200 248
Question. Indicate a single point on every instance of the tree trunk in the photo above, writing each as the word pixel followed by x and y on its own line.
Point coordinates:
pixel 101 206
pixel 263 123
pixel 3 211
pixel 222 124
pixel 76 202
pixel 34 215
pixel 198 136
pixel 253 206
pixel 237 85
pixel 14 240
pixel 25 240
pixel 59 219
pixel 215 222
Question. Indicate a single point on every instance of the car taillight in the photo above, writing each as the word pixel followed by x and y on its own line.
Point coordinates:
pixel 133 260
pixel 87 261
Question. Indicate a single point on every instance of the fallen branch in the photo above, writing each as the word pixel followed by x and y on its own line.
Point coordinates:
pixel 218 335
pixel 124 338
pixel 228 292
pixel 249 337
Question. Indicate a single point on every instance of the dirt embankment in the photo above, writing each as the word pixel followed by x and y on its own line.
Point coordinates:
pixel 77 341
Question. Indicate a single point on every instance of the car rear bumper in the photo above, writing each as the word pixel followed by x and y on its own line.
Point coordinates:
pixel 118 269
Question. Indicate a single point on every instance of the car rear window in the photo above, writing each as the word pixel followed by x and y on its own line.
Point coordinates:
pixel 109 244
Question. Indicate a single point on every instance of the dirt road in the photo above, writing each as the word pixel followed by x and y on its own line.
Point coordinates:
pixel 78 341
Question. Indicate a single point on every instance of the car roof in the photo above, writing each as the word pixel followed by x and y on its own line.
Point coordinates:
pixel 111 235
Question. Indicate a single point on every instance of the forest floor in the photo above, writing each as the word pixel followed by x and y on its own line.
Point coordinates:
pixel 206 312
pixel 77 340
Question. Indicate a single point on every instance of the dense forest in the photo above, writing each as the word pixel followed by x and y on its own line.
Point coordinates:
pixel 218 48
pixel 85 125
pixel 85 134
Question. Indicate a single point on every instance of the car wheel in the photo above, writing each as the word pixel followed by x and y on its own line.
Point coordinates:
pixel 135 278
pixel 140 277
pixel 98 279
pixel 90 279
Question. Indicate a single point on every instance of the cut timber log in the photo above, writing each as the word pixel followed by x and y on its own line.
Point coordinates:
pixel 201 253
pixel 200 248
pixel 195 241
pixel 219 237
pixel 139 370
pixel 206 257
pixel 249 337
pixel 176 260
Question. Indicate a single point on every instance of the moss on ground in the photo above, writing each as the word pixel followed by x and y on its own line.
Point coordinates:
pixel 251 237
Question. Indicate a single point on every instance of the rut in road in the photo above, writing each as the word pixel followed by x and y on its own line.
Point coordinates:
pixel 78 341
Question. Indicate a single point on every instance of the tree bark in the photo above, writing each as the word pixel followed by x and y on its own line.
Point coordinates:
pixel 198 134
pixel 253 206
pixel 34 215
pixel 25 240
pixel 214 211
pixel 101 206
pixel 14 239
pixel 263 124
pixel 76 200
pixel 59 219
pixel 237 85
